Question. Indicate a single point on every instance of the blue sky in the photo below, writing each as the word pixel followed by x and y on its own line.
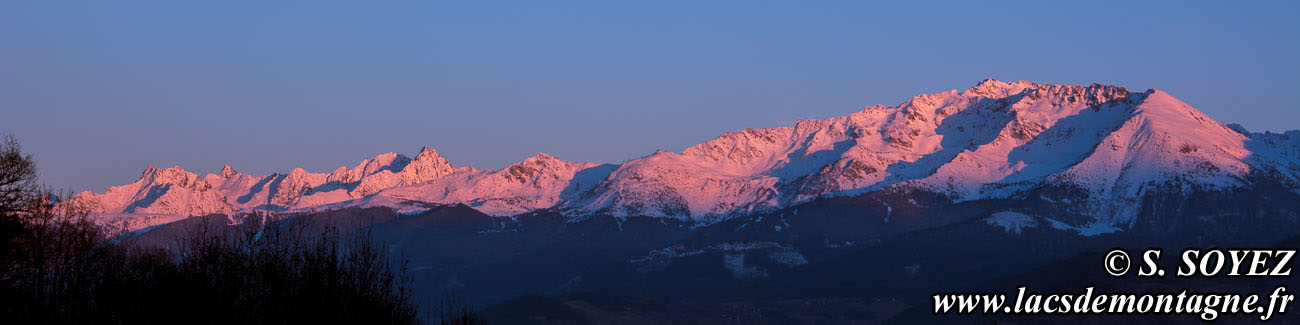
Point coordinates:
pixel 98 91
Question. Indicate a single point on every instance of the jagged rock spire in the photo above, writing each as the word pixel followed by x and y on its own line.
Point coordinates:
pixel 148 171
pixel 228 172
pixel 426 151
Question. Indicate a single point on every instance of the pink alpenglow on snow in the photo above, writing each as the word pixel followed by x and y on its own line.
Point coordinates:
pixel 991 141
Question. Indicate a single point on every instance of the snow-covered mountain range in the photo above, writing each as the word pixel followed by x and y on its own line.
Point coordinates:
pixel 1105 145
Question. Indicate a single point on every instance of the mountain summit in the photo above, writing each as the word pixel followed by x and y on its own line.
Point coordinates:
pixel 1101 147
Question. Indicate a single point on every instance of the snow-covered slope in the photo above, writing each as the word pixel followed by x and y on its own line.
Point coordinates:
pixel 159 191
pixel 538 182
pixel 176 191
pixel 989 141
pixel 993 140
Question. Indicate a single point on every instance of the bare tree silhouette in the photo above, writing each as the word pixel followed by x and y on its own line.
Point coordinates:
pixel 56 266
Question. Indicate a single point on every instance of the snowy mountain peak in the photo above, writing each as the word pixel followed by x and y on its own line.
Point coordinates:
pixel 426 153
pixel 993 140
pixel 173 191
pixel 227 172
pixel 148 171
pixel 542 156
pixel 389 170
pixel 174 175
pixel 427 165
pixel 995 88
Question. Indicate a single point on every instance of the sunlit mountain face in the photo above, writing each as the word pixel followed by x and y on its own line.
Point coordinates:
pixel 853 218
pixel 1102 150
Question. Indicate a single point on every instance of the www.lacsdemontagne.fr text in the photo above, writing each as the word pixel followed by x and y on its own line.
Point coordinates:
pixel 1208 306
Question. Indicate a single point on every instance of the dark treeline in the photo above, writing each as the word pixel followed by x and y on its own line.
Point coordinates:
pixel 56 266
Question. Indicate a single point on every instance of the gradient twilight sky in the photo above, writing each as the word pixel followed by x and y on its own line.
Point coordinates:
pixel 98 91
